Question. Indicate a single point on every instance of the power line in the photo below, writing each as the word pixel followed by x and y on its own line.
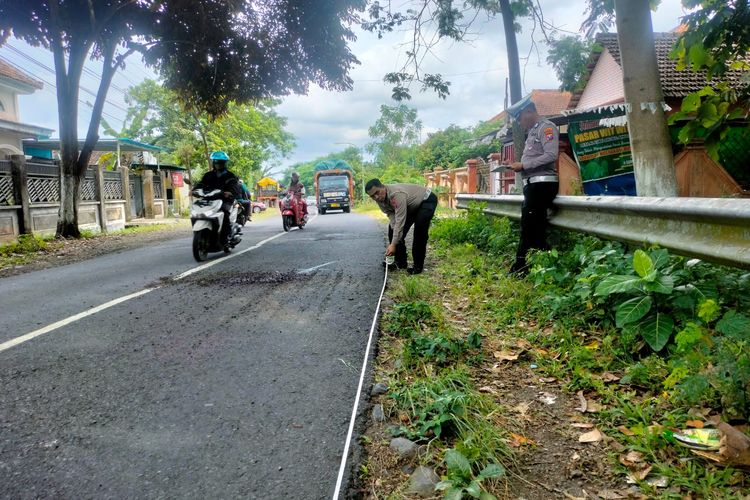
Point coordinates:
pixel 51 86
pixel 51 70
pixel 448 75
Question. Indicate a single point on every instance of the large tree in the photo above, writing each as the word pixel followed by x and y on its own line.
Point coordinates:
pixel 395 135
pixel 212 52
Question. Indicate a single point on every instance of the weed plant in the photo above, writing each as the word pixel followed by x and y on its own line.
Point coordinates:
pixel 675 331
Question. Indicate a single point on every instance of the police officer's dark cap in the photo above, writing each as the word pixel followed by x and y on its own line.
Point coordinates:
pixel 516 110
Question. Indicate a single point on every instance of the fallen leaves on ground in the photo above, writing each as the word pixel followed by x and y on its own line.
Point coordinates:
pixel 591 437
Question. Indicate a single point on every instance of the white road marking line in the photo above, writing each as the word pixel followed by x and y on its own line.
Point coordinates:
pixel 345 456
pixel 71 319
pixel 311 269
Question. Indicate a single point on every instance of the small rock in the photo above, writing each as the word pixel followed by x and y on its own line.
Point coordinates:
pixel 378 389
pixel 377 413
pixel 404 447
pixel 422 482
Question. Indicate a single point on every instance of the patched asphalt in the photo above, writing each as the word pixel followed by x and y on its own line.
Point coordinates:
pixel 236 381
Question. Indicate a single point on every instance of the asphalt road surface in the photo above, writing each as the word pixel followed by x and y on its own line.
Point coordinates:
pixel 235 381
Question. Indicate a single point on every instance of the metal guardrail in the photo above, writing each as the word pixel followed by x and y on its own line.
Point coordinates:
pixel 713 229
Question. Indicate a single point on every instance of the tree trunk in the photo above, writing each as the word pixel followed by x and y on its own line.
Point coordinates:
pixel 650 143
pixel 514 75
pixel 67 220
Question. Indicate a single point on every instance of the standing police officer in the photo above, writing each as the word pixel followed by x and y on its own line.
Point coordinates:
pixel 405 205
pixel 538 167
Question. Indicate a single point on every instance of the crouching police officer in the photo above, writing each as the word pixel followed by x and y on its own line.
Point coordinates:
pixel 405 205
pixel 538 167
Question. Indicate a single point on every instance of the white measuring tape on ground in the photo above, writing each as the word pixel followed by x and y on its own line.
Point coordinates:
pixel 345 456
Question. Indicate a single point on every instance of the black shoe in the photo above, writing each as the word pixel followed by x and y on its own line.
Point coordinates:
pixel 414 270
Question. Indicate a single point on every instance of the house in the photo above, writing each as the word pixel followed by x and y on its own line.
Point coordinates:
pixel 14 82
pixel 597 126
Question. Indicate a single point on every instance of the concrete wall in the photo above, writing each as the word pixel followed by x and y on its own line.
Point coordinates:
pixel 8 223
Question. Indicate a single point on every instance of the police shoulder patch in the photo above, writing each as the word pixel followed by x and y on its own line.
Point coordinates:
pixel 549 133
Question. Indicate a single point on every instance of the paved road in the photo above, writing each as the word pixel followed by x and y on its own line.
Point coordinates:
pixel 235 381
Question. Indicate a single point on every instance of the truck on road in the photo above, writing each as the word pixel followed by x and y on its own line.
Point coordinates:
pixel 334 186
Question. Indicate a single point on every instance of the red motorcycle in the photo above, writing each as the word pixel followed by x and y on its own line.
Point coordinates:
pixel 292 212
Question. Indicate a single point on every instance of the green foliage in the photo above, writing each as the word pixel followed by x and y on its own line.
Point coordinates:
pixel 716 42
pixel 252 135
pixel 460 480
pixel 436 404
pixel 569 56
pixel 395 135
pixel 450 147
pixel 494 235
pixel 409 316
pixel 439 348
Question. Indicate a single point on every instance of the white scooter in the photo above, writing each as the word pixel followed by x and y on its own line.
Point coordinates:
pixel 208 220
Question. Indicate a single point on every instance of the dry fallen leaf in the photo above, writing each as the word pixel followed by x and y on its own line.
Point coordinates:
pixel 626 431
pixel 590 437
pixel 610 495
pixel 582 399
pixel 592 346
pixel 582 425
pixel 593 406
pixel 547 380
pixel 522 408
pixel 505 355
pixel 631 458
pixel 640 475
pixel 698 424
pixel 489 389
pixel 609 377
pixel 547 398
pixel 516 440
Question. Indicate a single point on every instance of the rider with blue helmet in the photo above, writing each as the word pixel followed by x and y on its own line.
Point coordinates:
pixel 222 179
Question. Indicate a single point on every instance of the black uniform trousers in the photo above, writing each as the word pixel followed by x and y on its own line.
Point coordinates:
pixel 537 198
pixel 421 220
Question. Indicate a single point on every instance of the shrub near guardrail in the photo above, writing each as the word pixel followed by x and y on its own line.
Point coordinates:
pixel 660 339
pixel 692 315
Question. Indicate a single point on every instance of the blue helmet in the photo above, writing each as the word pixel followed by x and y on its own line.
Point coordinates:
pixel 219 156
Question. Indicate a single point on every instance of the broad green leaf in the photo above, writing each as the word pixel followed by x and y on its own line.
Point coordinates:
pixel 662 284
pixel 698 56
pixel 487 496
pixel 454 494
pixel 734 325
pixel 708 115
pixel 632 310
pixel 678 374
pixel 492 470
pixel 642 263
pixel 708 310
pixel 656 330
pixel 688 336
pixel 457 462
pixel 691 103
pixel 617 283
pixel 660 258
pixel 474 489
pixel 443 485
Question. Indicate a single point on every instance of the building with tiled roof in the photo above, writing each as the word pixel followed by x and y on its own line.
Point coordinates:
pixel 15 82
pixel 604 77
pixel 548 102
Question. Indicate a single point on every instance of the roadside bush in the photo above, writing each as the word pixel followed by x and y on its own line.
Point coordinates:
pixel 439 348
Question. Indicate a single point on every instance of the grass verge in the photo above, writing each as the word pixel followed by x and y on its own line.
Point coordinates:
pixel 464 348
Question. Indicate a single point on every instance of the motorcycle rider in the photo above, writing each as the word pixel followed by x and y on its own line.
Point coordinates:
pixel 297 189
pixel 246 201
pixel 222 179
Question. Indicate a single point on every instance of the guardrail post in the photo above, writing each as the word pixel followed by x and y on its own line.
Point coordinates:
pixel 21 192
pixel 99 186
pixel 125 179
pixel 147 177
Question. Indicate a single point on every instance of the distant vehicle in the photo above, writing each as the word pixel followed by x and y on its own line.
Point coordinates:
pixel 334 186
pixel 258 206
pixel 311 201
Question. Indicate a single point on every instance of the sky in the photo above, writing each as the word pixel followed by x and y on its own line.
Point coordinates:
pixel 324 121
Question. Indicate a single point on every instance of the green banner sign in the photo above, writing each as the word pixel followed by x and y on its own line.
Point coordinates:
pixel 601 152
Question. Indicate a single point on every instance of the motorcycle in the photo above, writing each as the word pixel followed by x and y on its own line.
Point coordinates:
pixel 207 220
pixel 291 213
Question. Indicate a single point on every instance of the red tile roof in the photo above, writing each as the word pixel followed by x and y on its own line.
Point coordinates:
pixel 674 83
pixel 13 73
pixel 548 102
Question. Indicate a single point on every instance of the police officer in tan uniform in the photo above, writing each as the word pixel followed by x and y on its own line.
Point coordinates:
pixel 405 205
pixel 538 167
